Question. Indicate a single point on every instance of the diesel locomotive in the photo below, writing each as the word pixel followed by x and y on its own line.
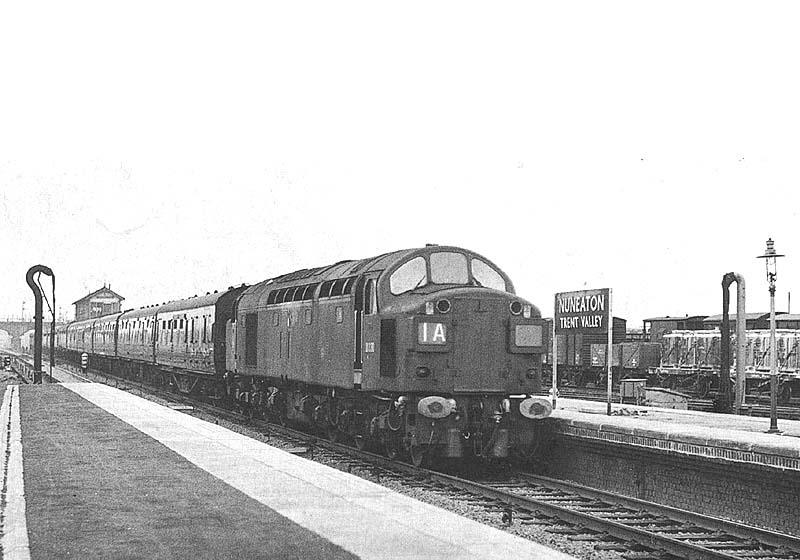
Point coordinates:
pixel 422 352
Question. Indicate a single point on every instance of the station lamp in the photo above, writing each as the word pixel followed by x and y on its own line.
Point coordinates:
pixel 771 259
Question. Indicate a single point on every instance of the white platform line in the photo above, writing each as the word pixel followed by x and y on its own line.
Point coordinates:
pixel 14 539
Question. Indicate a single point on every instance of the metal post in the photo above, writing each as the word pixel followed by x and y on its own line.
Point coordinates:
pixel 770 258
pixel 554 389
pixel 610 357
pixel 37 319
pixel 53 330
pixel 773 365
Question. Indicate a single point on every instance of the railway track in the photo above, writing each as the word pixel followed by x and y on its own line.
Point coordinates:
pixel 606 522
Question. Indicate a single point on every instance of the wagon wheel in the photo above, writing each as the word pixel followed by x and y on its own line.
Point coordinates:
pixel 703 386
pixel 418 455
pixel 784 393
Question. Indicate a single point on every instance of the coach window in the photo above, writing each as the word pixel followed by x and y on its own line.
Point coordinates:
pixel 409 276
pixel 449 268
pixel 486 276
pixel 271 297
pixel 298 294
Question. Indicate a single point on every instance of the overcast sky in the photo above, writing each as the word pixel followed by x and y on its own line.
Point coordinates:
pixel 173 148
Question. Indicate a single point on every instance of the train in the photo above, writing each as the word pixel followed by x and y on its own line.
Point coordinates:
pixel 686 360
pixel 423 353
pixel 691 362
pixel 582 358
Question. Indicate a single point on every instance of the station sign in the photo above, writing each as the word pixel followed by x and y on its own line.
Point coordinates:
pixel 583 310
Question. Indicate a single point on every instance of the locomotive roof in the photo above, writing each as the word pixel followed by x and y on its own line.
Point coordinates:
pixel 341 269
pixel 251 297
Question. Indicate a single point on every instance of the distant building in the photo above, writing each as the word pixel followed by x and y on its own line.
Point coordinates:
pixel 787 321
pixel 751 320
pixel 656 327
pixel 99 303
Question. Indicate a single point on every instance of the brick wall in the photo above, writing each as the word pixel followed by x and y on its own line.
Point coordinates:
pixel 757 495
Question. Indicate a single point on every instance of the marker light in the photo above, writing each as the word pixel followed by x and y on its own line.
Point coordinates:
pixel 535 408
pixel 443 306
pixel 515 307
pixel 435 407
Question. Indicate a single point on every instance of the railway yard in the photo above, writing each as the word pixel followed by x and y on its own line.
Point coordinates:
pixel 516 498
pixel 406 405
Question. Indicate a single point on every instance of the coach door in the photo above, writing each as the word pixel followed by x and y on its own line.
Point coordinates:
pixel 364 307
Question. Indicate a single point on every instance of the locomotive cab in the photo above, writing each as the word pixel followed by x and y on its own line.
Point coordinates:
pixel 464 350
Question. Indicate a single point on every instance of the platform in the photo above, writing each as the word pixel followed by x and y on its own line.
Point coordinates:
pixel 725 437
pixel 94 472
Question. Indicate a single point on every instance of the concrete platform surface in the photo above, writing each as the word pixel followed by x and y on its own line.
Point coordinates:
pixel 94 472
pixel 728 436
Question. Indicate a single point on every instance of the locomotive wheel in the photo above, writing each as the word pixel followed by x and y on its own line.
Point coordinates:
pixel 332 433
pixel 418 455
pixel 361 441
pixel 391 449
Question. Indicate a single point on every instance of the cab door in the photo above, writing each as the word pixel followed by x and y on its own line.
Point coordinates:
pixel 365 336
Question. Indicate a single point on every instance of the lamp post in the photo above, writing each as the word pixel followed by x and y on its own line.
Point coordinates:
pixel 771 259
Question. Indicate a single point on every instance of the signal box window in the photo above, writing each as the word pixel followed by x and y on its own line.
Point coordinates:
pixel 449 268
pixel 409 276
pixel 486 276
